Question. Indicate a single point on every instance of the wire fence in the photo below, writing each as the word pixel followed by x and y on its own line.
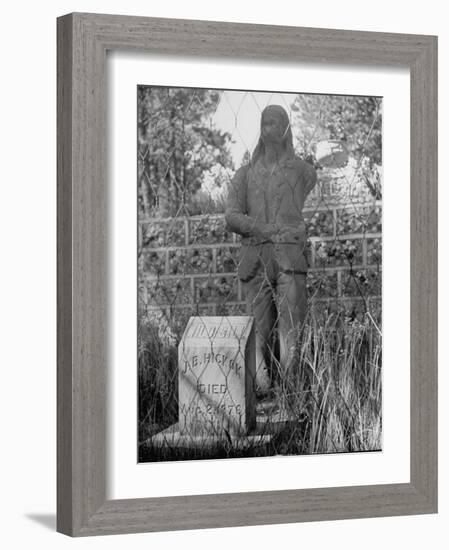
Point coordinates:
pixel 286 229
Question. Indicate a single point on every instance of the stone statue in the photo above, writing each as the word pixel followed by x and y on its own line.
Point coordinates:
pixel 265 203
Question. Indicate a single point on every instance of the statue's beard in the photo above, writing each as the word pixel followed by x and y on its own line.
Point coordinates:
pixel 275 139
pixel 272 140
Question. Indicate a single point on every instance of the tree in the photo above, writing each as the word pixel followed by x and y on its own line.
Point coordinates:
pixel 355 121
pixel 177 143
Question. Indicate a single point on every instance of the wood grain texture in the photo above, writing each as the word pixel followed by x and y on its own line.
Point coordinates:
pixel 64 276
pixel 83 40
pixel 423 274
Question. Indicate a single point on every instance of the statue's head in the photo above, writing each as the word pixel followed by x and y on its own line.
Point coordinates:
pixel 274 128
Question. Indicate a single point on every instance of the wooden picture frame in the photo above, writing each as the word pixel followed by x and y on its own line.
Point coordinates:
pixel 83 40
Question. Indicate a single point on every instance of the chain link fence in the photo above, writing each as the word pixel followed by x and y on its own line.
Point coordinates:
pixel 307 266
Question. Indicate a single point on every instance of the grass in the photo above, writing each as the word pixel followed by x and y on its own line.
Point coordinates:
pixel 334 398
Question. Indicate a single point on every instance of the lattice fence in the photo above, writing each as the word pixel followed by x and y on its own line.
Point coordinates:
pixel 196 272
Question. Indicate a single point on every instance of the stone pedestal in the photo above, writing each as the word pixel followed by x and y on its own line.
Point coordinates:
pixel 216 360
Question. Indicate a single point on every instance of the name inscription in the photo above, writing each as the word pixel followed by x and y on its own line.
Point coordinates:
pixel 221 359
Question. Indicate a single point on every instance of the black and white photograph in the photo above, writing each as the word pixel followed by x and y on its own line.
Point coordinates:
pixel 259 273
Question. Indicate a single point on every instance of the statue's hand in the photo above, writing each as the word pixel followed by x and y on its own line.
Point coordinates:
pixel 268 231
pixel 292 234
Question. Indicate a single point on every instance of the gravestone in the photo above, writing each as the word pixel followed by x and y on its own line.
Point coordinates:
pixel 216 362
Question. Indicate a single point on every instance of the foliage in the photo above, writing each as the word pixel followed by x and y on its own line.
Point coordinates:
pixel 338 393
pixel 177 145
pixel 334 400
pixel 356 121
pixel 157 372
